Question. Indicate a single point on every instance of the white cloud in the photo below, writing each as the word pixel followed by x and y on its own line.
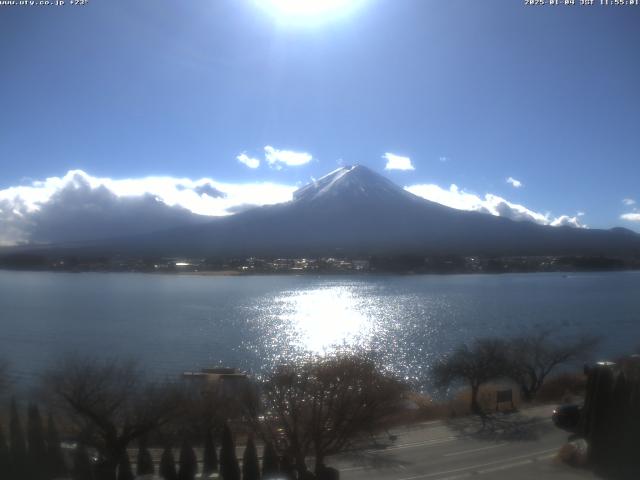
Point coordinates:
pixel 454 197
pixel 14 222
pixel 276 158
pixel 515 183
pixel 397 162
pixel 631 217
pixel 568 221
pixel 78 202
pixel 248 161
pixel 78 205
pixel 629 202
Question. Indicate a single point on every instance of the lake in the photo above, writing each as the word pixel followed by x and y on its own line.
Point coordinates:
pixel 172 323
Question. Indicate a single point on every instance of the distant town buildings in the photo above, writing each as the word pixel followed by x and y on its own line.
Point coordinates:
pixel 407 263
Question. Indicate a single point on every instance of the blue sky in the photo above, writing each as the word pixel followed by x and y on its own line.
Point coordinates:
pixel 473 92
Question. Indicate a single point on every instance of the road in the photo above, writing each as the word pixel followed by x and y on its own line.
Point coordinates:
pixel 520 446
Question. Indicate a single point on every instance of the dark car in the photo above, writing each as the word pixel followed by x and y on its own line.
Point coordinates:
pixel 567 417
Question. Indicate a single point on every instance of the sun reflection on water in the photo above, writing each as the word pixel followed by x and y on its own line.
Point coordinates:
pixel 323 318
pixel 401 332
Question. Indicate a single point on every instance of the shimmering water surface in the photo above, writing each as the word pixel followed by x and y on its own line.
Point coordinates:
pixel 173 323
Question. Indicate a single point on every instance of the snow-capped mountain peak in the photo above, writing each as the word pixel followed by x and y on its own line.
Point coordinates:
pixel 350 183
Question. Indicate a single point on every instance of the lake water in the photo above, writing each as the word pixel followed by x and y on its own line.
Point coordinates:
pixel 172 323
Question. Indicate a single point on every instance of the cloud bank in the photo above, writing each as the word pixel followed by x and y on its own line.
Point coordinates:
pixel 79 206
pixel 455 197
pixel 397 162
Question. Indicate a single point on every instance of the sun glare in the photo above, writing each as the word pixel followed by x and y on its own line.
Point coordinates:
pixel 326 318
pixel 309 10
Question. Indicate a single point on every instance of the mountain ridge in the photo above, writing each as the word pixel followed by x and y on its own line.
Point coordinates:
pixel 356 211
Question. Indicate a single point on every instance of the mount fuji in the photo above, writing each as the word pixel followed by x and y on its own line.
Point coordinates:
pixel 355 211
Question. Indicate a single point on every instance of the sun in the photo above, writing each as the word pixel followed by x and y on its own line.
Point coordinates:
pixel 309 10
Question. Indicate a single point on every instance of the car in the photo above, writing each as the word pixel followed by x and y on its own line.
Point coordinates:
pixel 567 417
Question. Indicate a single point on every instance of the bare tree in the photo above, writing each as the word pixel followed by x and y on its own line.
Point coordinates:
pixel 208 405
pixel 111 404
pixel 483 361
pixel 531 358
pixel 325 405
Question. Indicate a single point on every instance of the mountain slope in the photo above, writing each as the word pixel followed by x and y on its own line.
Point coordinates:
pixel 356 211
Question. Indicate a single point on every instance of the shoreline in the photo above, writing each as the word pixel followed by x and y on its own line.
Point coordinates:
pixel 236 273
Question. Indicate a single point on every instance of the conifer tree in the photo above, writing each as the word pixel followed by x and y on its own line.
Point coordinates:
pixel 270 462
pixel 210 457
pixel 633 427
pixel 229 468
pixel 37 451
pixel 168 465
pixel 56 466
pixel 327 473
pixel 619 416
pixel 82 469
pixel 5 463
pixel 145 461
pixel 188 462
pixel 17 446
pixel 599 408
pixel 287 471
pixel 250 464
pixel 125 471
